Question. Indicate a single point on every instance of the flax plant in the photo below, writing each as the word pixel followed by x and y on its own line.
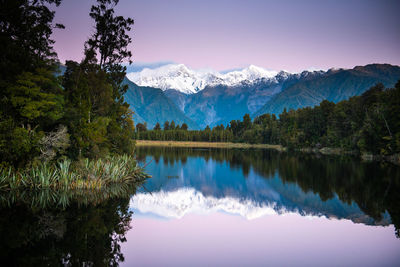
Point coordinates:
pixel 91 175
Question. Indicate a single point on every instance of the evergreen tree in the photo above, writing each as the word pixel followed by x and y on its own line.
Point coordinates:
pixel 99 118
pixel 246 122
pixel 30 101
pixel 157 127
pixel 25 30
pixel 141 127
pixel 166 125
pixel 109 43
pixel 184 126
pixel 172 125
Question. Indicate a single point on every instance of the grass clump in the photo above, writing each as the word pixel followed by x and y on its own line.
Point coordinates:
pixel 66 175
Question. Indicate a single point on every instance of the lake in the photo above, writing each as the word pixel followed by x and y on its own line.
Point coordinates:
pixel 217 207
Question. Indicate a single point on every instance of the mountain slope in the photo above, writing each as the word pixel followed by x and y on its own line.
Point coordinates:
pixel 180 99
pixel 151 105
pixel 335 86
pixel 220 104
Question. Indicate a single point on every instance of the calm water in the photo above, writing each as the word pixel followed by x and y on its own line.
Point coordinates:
pixel 206 207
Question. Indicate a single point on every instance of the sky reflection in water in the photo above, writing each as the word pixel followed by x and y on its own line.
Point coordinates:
pixel 249 208
pixel 214 208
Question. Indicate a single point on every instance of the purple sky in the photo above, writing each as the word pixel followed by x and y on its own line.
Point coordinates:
pixel 225 34
pixel 278 240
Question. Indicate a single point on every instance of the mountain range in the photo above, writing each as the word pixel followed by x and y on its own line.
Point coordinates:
pixel 185 80
pixel 206 97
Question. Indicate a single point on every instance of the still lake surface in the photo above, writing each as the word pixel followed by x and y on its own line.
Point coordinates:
pixel 219 207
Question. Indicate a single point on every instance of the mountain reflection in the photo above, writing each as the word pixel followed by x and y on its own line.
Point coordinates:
pixel 176 204
pixel 336 187
pixel 87 228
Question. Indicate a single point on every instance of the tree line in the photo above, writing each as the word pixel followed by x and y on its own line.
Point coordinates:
pixel 172 132
pixel 45 113
pixel 366 123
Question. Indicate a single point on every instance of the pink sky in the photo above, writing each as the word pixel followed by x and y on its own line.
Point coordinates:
pixel 220 34
pixel 278 240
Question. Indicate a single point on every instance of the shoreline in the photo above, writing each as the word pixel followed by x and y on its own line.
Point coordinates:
pixel 394 159
pixel 143 143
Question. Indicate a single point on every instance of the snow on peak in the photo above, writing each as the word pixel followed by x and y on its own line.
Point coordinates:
pixel 249 74
pixel 188 81
pixel 257 72
pixel 171 76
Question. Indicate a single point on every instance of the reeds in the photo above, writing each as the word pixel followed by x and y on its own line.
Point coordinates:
pixel 91 174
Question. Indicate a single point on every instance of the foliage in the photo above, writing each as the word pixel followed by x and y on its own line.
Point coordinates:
pixel 36 98
pixel 25 30
pixel 99 123
pixel 82 113
pixel 110 38
pixel 31 102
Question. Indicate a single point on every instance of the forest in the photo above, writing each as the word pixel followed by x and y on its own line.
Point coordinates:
pixel 49 111
pixel 64 126
pixel 369 123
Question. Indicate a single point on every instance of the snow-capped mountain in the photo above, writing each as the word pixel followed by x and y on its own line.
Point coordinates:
pixel 188 81
pixel 212 98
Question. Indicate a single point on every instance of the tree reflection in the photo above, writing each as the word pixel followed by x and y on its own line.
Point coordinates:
pixel 87 231
pixel 372 186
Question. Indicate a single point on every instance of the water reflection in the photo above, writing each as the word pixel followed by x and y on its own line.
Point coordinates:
pixel 256 182
pixel 86 228
pixel 47 198
pixel 74 228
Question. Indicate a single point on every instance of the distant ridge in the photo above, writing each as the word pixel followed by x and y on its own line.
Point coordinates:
pixel 335 85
